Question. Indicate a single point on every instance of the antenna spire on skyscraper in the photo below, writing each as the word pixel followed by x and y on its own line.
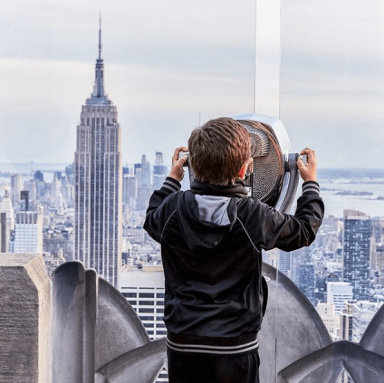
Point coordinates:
pixel 100 36
pixel 98 95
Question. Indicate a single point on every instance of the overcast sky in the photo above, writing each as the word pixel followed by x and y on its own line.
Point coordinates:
pixel 170 63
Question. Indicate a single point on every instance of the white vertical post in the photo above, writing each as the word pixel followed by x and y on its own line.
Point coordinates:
pixel 267 57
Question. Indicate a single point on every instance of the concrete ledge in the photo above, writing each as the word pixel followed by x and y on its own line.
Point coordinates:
pixel 97 334
pixel 25 299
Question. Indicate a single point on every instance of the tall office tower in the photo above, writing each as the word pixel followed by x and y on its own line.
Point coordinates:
pixel 330 320
pixel 66 190
pixel 356 252
pixel 15 188
pixel 363 312
pixel 55 191
pixel 144 287
pixel 346 322
pixel 98 183
pixel 346 333
pixel 144 189
pixel 129 190
pixel 137 173
pixel 145 171
pixel 7 221
pixel 39 176
pixel 69 173
pixel 307 281
pixel 29 232
pixel 159 171
pixel 31 187
pixel 338 293
pixel 285 262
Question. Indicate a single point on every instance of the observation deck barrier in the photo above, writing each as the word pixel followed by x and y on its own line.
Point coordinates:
pixel 76 327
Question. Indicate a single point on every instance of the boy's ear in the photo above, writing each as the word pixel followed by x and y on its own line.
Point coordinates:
pixel 242 171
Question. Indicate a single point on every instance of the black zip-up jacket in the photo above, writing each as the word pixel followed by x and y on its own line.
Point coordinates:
pixel 211 239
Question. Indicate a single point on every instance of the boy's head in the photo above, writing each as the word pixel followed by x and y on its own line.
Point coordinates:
pixel 218 150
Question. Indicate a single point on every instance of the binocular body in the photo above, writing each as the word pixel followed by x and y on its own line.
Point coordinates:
pixel 274 176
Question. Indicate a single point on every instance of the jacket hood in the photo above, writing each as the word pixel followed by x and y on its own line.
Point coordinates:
pixel 205 219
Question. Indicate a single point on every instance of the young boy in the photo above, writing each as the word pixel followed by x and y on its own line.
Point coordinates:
pixel 211 239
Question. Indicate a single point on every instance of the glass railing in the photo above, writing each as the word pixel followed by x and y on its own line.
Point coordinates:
pixel 331 99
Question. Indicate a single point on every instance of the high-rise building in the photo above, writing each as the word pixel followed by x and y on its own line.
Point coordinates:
pixel 144 288
pixel 15 188
pixel 7 221
pixel 346 322
pixel 307 281
pixel 28 232
pixel 356 252
pixel 331 321
pixel 145 167
pixel 144 187
pixel 129 190
pixel 363 312
pixel 31 187
pixel 285 262
pixel 159 171
pixel 98 183
pixel 55 191
pixel 39 176
pixel 338 293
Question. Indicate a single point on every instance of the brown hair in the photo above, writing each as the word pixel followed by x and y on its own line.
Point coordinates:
pixel 218 150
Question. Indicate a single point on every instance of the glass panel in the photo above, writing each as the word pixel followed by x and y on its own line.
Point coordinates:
pixel 331 100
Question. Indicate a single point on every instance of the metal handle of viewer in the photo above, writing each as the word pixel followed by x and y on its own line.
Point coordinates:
pixel 292 172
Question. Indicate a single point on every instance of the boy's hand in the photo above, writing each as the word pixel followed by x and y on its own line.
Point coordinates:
pixel 308 170
pixel 177 171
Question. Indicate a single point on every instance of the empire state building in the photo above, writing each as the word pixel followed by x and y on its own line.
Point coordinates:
pixel 98 182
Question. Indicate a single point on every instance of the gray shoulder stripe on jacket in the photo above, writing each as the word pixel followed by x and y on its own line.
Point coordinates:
pixel 246 232
pixel 166 223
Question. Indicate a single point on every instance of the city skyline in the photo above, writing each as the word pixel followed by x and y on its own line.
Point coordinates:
pixel 166 74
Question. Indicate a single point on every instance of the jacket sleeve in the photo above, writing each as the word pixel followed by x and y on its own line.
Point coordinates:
pixel 160 208
pixel 290 232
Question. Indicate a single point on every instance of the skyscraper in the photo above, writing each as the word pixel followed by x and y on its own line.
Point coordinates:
pixel 159 171
pixel 144 187
pixel 338 293
pixel 307 281
pixel 7 221
pixel 98 182
pixel 144 287
pixel 29 232
pixel 356 252
pixel 15 188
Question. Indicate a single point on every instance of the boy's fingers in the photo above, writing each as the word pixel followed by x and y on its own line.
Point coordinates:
pixel 175 157
pixel 303 168
pixel 311 154
pixel 183 159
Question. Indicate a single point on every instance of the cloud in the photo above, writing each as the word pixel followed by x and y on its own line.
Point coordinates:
pixel 332 71
pixel 169 63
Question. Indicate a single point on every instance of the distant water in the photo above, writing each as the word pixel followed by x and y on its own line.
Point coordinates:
pixel 31 167
pixel 27 170
pixel 356 189
pixel 332 174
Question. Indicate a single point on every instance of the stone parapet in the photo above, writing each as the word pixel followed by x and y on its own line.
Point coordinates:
pixel 92 335
pixel 25 299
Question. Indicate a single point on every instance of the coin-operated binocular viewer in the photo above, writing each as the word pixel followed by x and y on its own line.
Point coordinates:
pixel 275 176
